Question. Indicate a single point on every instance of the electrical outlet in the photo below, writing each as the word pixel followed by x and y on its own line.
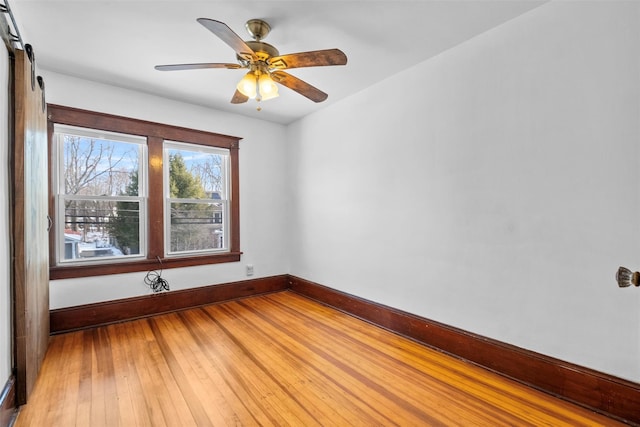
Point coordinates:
pixel 249 270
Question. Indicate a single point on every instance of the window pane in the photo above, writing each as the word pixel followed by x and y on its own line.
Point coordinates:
pixel 196 226
pixel 196 174
pixel 99 167
pixel 101 228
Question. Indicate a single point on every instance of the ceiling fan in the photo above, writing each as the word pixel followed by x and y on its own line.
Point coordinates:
pixel 264 62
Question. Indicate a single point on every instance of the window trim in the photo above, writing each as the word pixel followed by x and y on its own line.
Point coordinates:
pixel 156 134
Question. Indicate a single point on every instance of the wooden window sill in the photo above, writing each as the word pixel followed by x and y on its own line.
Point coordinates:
pixel 73 271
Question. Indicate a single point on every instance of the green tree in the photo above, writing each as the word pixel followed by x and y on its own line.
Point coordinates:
pixel 191 223
pixel 182 183
pixel 124 224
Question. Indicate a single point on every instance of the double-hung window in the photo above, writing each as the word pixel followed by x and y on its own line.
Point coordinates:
pixel 100 200
pixel 129 195
pixel 196 198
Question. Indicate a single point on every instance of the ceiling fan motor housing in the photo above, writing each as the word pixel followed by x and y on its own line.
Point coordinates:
pixel 262 50
pixel 259 29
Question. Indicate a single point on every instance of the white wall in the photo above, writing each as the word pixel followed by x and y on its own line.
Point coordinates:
pixel 493 188
pixel 263 221
pixel 5 233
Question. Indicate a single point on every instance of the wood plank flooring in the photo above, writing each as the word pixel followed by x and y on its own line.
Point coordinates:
pixel 279 360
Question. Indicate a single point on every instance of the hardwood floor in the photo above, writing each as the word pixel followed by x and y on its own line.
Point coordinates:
pixel 279 359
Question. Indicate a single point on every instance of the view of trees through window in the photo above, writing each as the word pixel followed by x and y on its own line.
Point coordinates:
pixel 197 198
pixel 102 196
pixel 131 195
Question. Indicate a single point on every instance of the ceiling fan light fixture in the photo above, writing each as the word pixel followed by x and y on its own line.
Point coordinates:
pixel 267 88
pixel 248 85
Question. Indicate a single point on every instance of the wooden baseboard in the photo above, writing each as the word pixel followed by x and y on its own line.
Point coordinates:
pixel 8 402
pixel 103 313
pixel 595 390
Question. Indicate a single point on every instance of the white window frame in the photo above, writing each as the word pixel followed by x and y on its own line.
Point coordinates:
pixel 224 199
pixel 60 197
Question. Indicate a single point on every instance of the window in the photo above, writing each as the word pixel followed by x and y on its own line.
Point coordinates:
pixel 100 196
pixel 128 194
pixel 196 198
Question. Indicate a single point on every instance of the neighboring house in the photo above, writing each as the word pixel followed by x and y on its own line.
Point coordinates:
pixel 71 241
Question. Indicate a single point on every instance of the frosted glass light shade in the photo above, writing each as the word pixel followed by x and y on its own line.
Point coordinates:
pixel 268 88
pixel 248 85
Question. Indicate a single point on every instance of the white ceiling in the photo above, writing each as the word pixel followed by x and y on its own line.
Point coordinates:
pixel 119 42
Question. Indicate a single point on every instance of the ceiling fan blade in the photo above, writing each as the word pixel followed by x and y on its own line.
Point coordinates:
pixel 302 87
pixel 227 35
pixel 177 67
pixel 316 58
pixel 239 98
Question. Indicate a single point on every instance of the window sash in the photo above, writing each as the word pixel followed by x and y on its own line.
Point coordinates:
pixel 223 201
pixel 61 198
pixel 61 233
pixel 211 229
pixel 58 138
